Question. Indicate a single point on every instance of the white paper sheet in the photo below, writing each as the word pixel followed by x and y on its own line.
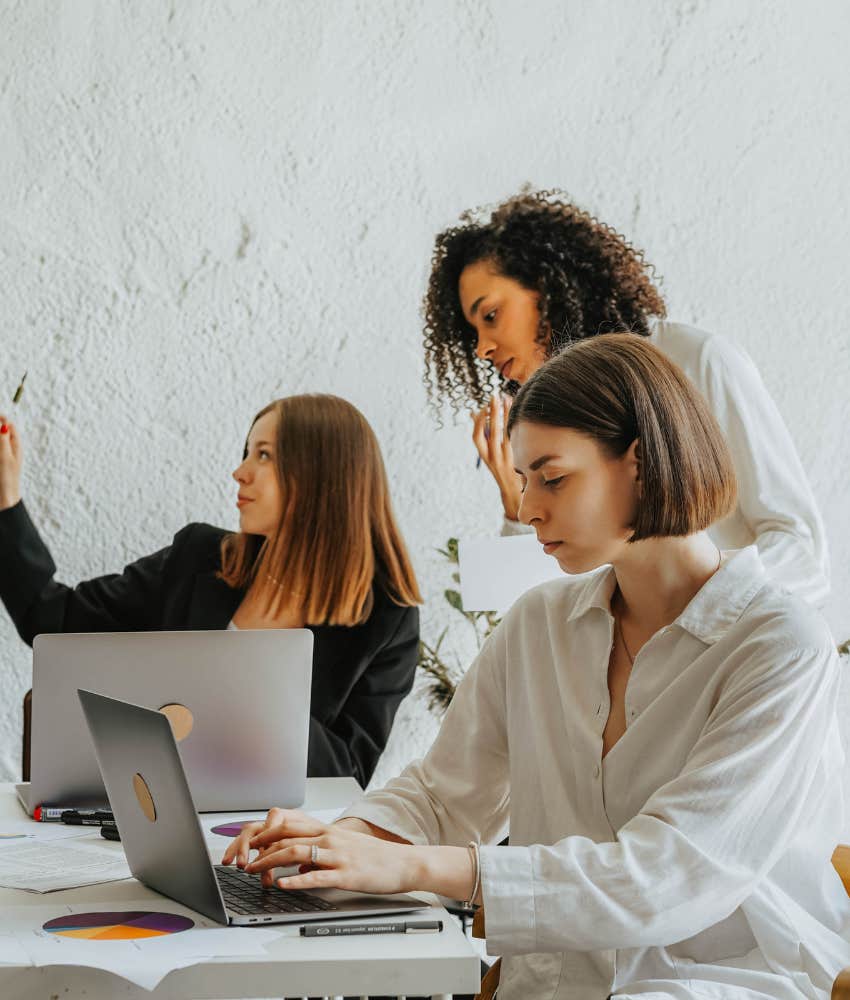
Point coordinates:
pixel 145 961
pixel 494 572
pixel 12 952
pixel 46 867
pixel 13 831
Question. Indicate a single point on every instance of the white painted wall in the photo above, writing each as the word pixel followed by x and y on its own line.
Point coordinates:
pixel 207 205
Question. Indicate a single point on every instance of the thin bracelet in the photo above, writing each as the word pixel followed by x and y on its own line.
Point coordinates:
pixel 472 847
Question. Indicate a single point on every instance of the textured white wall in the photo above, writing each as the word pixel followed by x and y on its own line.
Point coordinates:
pixel 207 205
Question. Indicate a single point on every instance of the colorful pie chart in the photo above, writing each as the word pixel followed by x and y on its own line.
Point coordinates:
pixel 231 829
pixel 121 926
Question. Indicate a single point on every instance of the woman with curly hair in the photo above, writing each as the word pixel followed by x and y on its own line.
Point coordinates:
pixel 508 290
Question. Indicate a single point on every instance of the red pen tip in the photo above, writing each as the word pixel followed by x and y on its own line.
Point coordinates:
pixel 37 813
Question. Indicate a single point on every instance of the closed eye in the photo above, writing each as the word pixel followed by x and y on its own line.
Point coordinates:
pixel 553 482
pixel 490 316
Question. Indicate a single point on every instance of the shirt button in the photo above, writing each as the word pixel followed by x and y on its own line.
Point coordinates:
pixel 596 771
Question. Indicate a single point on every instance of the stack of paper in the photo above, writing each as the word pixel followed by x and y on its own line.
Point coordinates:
pixel 37 866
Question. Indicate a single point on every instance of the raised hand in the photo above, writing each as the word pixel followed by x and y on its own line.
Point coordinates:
pixel 494 447
pixel 10 464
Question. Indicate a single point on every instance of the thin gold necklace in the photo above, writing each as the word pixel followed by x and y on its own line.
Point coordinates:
pixel 619 627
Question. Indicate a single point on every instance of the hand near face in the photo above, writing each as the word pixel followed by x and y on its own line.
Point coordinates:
pixel 494 447
pixel 346 859
pixel 11 458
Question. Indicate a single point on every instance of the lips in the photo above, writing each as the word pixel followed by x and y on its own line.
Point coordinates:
pixel 505 369
pixel 241 501
pixel 549 547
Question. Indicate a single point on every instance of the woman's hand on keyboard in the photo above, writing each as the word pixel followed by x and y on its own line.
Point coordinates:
pixel 346 858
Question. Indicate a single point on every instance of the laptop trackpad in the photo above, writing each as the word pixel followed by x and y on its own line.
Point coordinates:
pixel 343 899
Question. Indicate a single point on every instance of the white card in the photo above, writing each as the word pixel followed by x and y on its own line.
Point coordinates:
pixel 494 572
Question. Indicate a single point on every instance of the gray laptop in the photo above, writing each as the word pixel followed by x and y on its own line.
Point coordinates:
pixel 163 838
pixel 239 701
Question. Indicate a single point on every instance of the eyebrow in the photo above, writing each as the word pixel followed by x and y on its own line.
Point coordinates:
pixel 537 463
pixel 476 304
pixel 259 444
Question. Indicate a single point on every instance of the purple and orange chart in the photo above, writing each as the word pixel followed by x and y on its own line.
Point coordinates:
pixel 124 925
pixel 231 829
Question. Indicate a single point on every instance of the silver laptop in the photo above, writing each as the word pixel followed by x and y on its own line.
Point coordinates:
pixel 163 838
pixel 239 702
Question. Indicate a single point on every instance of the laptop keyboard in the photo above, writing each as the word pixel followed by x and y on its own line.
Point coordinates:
pixel 243 893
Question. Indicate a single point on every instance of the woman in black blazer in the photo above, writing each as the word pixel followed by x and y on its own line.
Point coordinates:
pixel 318 547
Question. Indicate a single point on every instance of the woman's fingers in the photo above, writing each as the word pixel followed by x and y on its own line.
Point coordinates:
pixel 488 429
pixel 479 432
pixel 10 464
pixel 238 849
pixel 495 438
pixel 506 441
pixel 317 878
pixel 300 853
pixel 280 825
pixel 295 825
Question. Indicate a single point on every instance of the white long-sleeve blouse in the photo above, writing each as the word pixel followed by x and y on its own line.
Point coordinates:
pixel 694 860
pixel 776 509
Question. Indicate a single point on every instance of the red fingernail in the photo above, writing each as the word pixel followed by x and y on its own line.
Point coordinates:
pixel 4 429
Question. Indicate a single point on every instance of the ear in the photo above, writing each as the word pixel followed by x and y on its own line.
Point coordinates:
pixel 634 460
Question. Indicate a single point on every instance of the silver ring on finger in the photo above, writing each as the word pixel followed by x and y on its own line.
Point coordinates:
pixel 314 855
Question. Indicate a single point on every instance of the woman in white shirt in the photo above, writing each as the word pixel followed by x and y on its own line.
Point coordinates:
pixel 509 290
pixel 659 733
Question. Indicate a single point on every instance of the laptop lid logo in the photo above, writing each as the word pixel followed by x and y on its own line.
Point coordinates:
pixel 143 794
pixel 181 719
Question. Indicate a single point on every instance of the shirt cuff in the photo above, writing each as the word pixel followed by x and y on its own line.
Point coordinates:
pixel 14 515
pixel 507 892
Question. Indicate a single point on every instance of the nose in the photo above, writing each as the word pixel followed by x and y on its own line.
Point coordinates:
pixel 484 347
pixel 240 472
pixel 528 512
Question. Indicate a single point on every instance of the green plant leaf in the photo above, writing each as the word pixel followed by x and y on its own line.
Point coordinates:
pixel 453 598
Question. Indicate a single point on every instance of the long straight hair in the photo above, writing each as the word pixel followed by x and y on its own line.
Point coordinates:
pixel 337 535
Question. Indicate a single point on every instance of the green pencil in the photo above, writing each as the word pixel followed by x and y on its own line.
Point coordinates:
pixel 20 390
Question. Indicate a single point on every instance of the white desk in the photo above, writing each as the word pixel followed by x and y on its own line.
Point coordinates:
pixel 397 965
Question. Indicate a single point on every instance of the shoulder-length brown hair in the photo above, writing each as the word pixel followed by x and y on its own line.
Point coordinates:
pixel 337 535
pixel 618 388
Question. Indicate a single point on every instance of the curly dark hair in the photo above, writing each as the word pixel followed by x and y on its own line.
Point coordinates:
pixel 590 280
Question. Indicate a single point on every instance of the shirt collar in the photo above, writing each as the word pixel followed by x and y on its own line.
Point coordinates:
pixel 718 605
pixel 596 592
pixel 712 611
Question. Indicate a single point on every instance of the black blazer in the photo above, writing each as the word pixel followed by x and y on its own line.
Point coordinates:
pixel 360 674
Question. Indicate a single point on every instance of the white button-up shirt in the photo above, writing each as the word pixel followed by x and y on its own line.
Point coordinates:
pixel 776 509
pixel 694 860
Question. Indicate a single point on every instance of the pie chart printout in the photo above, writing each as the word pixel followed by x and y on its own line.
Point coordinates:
pixel 231 829
pixel 124 925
